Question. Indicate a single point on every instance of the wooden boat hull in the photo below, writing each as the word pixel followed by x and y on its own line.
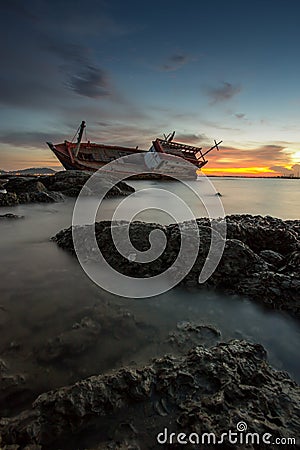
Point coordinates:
pixel 165 158
pixel 92 157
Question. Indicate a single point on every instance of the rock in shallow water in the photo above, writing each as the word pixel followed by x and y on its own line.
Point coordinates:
pixel 70 183
pixel 205 391
pixel 32 191
pixel 189 334
pixel 24 184
pixel 243 268
pixel 71 342
pixel 52 188
pixel 264 233
pixel 8 199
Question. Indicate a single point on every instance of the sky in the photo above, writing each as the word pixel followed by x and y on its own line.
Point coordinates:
pixel 225 70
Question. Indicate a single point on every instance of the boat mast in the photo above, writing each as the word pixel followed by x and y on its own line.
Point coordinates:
pixel 80 133
pixel 211 148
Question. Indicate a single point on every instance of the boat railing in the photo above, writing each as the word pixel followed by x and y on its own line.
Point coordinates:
pixel 178 146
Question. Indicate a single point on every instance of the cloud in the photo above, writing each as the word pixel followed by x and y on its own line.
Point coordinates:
pixel 175 62
pixel 217 125
pixel 281 169
pixel 91 82
pixel 191 138
pixel 48 62
pixel 114 132
pixel 270 155
pixel 83 76
pixel 272 158
pixel 30 139
pixel 223 93
pixel 29 78
pixel 240 116
pixel 294 171
pixel 119 133
pixel 69 52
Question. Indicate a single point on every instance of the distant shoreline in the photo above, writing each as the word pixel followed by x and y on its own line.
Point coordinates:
pixel 47 171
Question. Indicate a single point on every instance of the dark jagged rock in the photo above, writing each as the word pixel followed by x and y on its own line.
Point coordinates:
pixel 13 184
pixel 20 185
pixel 22 190
pixel 263 233
pixel 65 180
pixel 89 331
pixel 291 264
pixel 271 257
pixel 205 391
pixel 294 225
pixel 3 181
pixel 70 183
pixel 275 290
pixel 53 188
pixel 8 199
pixel 40 197
pixel 248 266
pixel 189 334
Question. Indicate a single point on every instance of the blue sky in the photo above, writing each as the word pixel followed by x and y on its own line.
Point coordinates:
pixel 134 70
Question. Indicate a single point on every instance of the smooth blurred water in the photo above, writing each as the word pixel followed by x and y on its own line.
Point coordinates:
pixel 257 196
pixel 43 288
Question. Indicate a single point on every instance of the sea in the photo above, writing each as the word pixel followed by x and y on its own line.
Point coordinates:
pixel 45 294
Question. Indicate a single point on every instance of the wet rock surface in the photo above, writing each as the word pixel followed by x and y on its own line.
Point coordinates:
pixel 72 342
pixel 53 188
pixel 70 183
pixel 271 257
pixel 204 391
pixel 88 331
pixel 88 340
pixel 261 258
pixel 189 334
pixel 8 199
pixel 264 233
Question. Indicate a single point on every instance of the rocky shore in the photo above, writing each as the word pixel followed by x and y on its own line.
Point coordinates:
pixel 53 188
pixel 261 259
pixel 204 391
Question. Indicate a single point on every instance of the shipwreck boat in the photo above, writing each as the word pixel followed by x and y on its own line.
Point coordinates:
pixel 157 162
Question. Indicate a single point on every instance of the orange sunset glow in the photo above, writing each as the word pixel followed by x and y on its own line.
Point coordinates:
pixel 242 171
pixel 263 161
